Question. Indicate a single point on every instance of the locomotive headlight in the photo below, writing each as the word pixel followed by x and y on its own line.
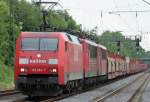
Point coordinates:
pixel 53 61
pixel 23 61
pixel 54 70
pixel 23 70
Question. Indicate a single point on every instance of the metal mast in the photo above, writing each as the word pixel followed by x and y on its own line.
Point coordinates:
pixel 44 26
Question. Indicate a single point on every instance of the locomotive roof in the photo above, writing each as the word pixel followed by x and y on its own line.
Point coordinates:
pixel 102 46
pixel 95 44
pixel 64 33
pixel 40 32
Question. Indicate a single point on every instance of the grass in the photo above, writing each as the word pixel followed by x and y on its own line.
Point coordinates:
pixel 6 77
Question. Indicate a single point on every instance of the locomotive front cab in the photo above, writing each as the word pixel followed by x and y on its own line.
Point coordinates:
pixel 37 68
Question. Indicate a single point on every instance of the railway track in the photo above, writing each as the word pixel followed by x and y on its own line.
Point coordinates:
pixel 133 98
pixel 62 96
pixel 75 93
pixel 10 95
pixel 137 96
pixel 52 99
pixel 71 94
pixel 8 92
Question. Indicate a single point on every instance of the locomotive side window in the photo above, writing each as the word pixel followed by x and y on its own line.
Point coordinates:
pixel 30 44
pixel 75 39
pixel 103 54
pixel 47 44
pixel 69 37
pixel 92 51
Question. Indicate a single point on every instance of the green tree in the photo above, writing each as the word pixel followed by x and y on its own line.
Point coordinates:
pixel 127 46
pixel 28 15
pixel 4 28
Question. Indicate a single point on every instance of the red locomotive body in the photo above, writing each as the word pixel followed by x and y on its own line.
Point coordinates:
pixel 46 60
pixel 94 61
pixel 102 52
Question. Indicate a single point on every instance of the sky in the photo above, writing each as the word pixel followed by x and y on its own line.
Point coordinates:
pixel 92 13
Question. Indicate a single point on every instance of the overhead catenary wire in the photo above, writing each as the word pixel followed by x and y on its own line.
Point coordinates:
pixel 128 11
pixel 146 2
pixel 57 3
pixel 120 16
pixel 119 12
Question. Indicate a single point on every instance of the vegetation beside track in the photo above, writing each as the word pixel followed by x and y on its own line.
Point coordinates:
pixel 6 77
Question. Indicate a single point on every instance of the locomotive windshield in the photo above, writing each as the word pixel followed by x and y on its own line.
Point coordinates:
pixel 48 44
pixel 42 44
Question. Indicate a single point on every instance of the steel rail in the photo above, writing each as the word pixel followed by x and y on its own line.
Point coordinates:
pixel 136 97
pixel 63 96
pixel 75 93
pixel 116 91
pixel 8 92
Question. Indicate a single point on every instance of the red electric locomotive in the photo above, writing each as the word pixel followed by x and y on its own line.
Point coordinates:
pixel 94 62
pixel 46 62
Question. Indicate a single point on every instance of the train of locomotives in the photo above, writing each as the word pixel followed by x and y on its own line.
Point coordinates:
pixel 48 63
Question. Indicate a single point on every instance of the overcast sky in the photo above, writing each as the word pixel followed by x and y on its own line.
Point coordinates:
pixel 88 13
